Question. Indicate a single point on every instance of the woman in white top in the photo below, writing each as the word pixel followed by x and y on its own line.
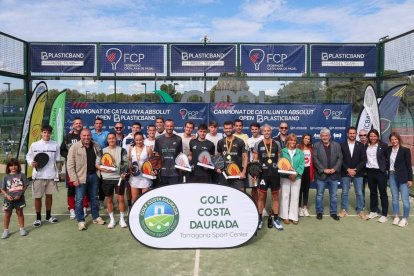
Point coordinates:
pixel 377 175
pixel 401 175
pixel 138 154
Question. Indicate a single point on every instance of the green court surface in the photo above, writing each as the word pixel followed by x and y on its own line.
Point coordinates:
pixel 348 247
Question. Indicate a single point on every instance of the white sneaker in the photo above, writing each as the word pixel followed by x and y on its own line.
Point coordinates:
pixel 306 212
pixel 264 213
pixel 122 223
pixel 395 221
pixel 403 222
pixel 72 214
pixel 301 212
pixel 111 224
pixel 382 219
pixel 373 215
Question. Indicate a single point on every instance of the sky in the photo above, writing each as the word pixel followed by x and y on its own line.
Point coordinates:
pixel 189 20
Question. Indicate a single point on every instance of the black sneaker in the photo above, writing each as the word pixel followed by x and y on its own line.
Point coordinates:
pixel 270 222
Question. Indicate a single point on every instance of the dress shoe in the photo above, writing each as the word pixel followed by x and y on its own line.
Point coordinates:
pixel 286 221
pixel 295 222
pixel 319 216
pixel 335 216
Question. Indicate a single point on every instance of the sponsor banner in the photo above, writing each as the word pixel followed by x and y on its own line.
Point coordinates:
pixel 388 108
pixel 133 60
pixel 272 59
pixel 371 107
pixel 344 59
pixel 300 118
pixel 195 60
pixel 193 215
pixel 39 89
pixel 57 117
pixel 63 59
pixel 35 130
pixel 128 113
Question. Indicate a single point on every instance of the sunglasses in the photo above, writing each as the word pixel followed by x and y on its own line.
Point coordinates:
pixel 119 128
pixel 283 128
pixel 362 135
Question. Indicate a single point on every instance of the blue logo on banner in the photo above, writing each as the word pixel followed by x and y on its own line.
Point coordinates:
pixel 273 59
pixel 344 59
pixel 199 59
pixel 62 58
pixel 132 59
pixel 128 113
pixel 300 118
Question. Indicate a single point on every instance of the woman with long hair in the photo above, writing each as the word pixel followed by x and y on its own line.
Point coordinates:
pixel 377 166
pixel 401 175
pixel 308 175
pixel 138 154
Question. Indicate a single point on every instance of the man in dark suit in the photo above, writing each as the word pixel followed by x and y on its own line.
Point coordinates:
pixel 327 159
pixel 353 169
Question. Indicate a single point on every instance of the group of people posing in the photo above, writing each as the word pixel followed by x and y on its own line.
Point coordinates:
pixel 91 180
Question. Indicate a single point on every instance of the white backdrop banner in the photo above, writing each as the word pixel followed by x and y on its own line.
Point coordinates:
pixel 193 215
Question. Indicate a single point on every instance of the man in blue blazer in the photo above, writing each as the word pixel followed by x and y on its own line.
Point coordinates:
pixel 327 159
pixel 353 169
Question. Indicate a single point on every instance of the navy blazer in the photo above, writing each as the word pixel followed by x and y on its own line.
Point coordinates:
pixel 402 165
pixel 382 156
pixel 320 161
pixel 358 160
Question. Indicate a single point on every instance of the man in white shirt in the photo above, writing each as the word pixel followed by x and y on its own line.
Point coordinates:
pixel 186 136
pixel 354 159
pixel 213 136
pixel 44 178
pixel 159 125
pixel 129 139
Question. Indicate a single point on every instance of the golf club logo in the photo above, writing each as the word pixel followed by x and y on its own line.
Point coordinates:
pixel 159 217
pixel 256 56
pixel 113 55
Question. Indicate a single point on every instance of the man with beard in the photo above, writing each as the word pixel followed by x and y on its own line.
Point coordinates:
pixel 233 149
pixel 168 146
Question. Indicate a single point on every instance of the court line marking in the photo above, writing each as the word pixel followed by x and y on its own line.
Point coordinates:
pixel 197 262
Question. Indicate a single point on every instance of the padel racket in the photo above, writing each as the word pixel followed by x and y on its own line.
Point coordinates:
pixel 156 161
pixel 285 167
pixel 182 162
pixel 147 170
pixel 135 169
pixel 218 161
pixel 254 169
pixel 107 162
pixel 232 171
pixel 204 160
pixel 41 160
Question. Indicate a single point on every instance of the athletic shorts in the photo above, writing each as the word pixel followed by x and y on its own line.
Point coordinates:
pixel 266 182
pixel 110 187
pixel 44 186
pixel 14 204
